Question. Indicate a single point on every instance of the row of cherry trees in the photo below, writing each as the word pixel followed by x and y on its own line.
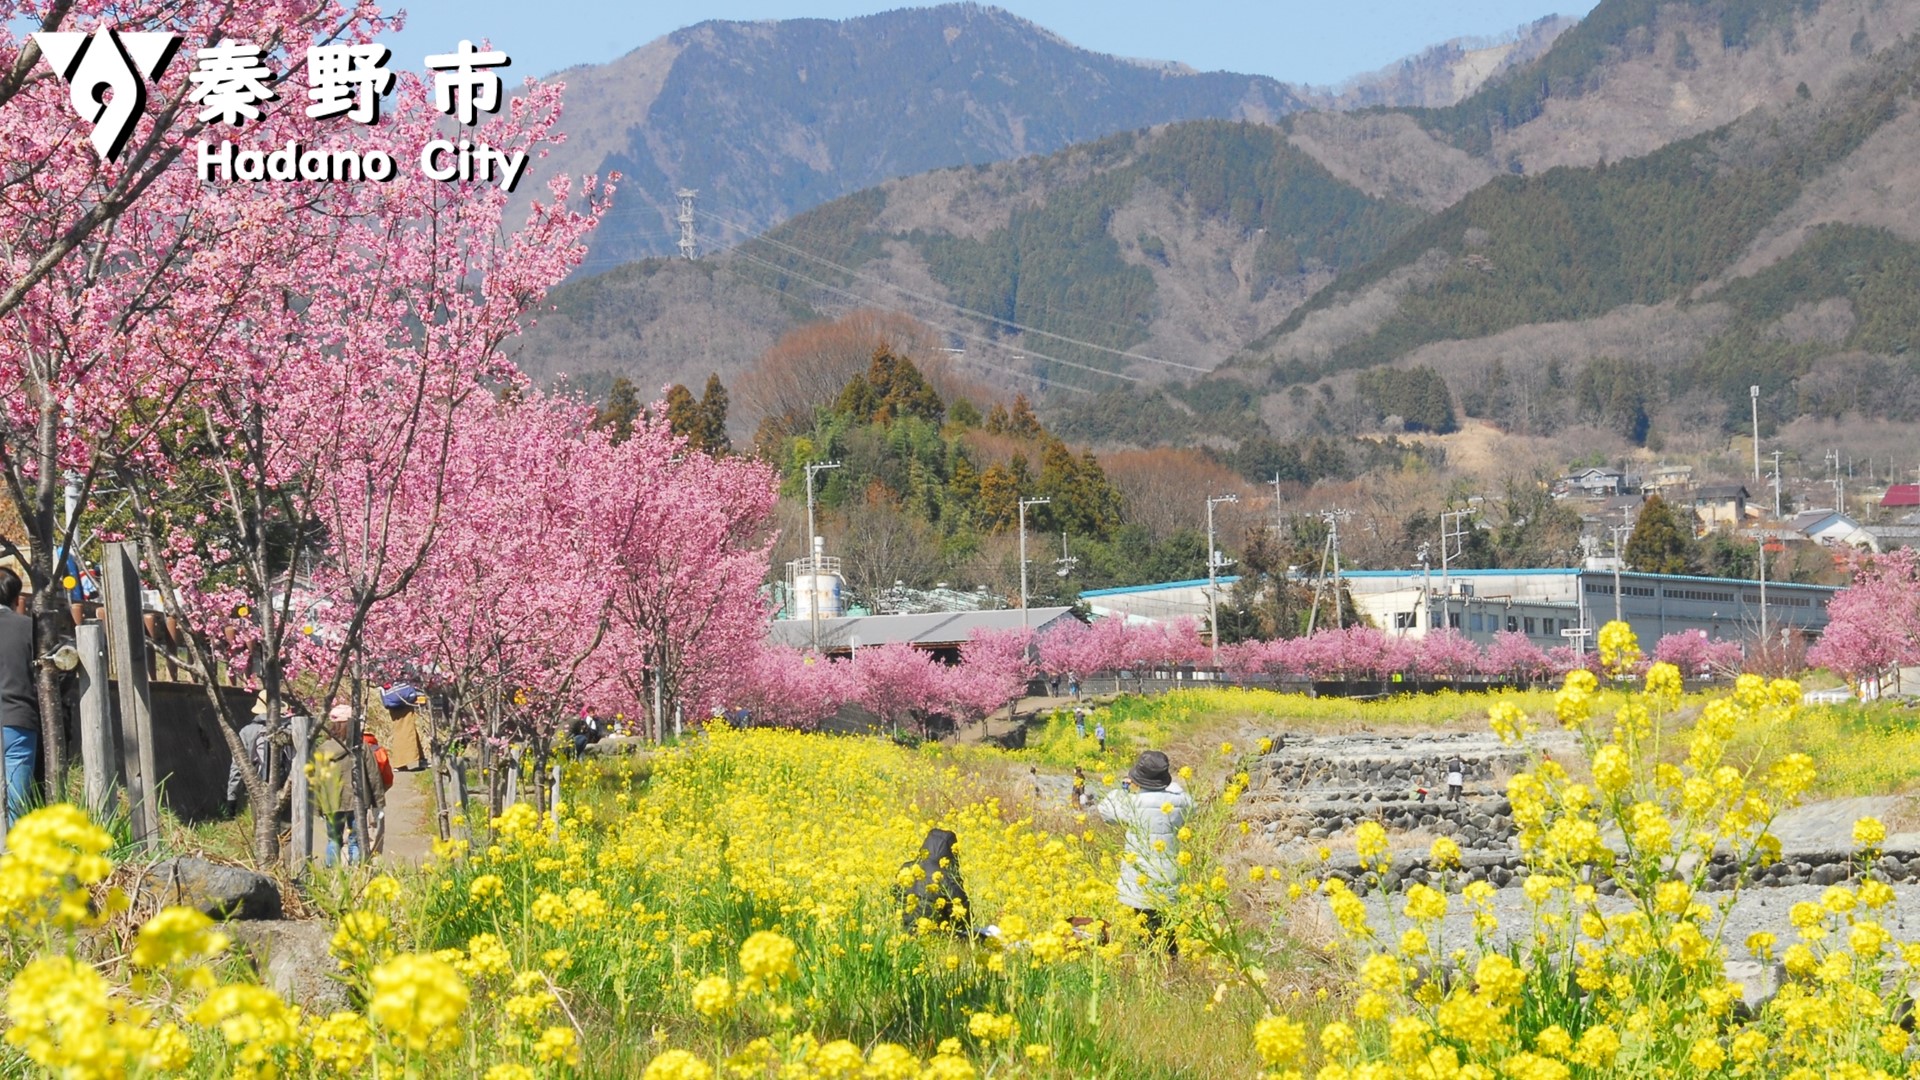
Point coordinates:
pixel 1357 652
pixel 275 388
pixel 905 687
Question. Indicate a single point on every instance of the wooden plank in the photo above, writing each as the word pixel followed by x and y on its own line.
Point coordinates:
pixel 126 646
pixel 96 718
pixel 300 849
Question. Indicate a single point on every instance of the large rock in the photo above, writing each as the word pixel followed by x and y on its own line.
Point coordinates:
pixel 292 958
pixel 222 891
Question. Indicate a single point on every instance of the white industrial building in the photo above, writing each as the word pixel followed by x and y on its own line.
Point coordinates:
pixel 1552 607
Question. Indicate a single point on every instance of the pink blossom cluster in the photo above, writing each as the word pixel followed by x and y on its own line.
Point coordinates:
pixel 1874 624
pixel 905 687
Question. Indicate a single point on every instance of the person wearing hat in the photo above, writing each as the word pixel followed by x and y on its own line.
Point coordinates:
pixel 251 735
pixel 1153 807
pixel 337 770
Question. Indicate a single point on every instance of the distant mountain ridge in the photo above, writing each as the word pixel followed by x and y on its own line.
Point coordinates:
pixel 769 119
pixel 1676 200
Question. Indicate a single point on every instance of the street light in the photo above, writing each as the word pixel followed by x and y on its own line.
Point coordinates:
pixel 1024 503
pixel 1214 564
pixel 813 557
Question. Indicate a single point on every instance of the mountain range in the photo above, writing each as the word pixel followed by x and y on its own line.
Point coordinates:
pixel 1624 224
pixel 769 119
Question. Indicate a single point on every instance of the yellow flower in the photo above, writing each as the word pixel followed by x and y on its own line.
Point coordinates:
pixel 712 996
pixel 1611 770
pixel 177 935
pixel 1868 833
pixel 1619 648
pixel 1443 853
pixel 485 887
pixel 1337 1039
pixel 1279 1040
pixel 342 1042
pixel 418 1000
pixel 677 1065
pixel 888 1061
pixel 767 959
pixel 1425 903
pixel 991 1028
pixel 557 1046
pixel 1370 841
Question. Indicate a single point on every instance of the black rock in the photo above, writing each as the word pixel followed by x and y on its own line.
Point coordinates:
pixel 219 890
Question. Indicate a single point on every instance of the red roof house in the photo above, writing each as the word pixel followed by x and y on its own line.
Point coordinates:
pixel 1901 495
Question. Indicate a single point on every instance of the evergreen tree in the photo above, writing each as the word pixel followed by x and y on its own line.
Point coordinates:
pixel 621 409
pixel 1660 543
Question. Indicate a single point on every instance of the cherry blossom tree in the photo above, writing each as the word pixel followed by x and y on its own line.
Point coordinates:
pixel 1514 656
pixel 278 409
pixel 1697 655
pixel 994 669
pixel 1448 653
pixel 899 683
pixel 1873 624
pixel 98 216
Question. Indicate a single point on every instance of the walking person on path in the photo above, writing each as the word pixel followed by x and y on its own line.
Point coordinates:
pixel 1079 787
pixel 1153 807
pixel 1079 723
pixel 1100 733
pixel 251 735
pixel 1456 778
pixel 404 744
pixel 337 769
pixel 1073 685
pixel 19 703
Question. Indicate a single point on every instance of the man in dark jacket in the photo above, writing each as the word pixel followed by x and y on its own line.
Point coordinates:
pixel 19 704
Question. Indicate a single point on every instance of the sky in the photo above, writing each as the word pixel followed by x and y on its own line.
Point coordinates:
pixel 1321 43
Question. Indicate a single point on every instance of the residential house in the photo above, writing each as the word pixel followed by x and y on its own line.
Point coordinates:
pixel 1901 497
pixel 1721 506
pixel 1595 483
pixel 1668 478
pixel 1832 528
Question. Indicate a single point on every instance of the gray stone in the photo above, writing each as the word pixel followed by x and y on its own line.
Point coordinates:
pixel 1758 982
pixel 292 958
pixel 219 890
pixel 1829 874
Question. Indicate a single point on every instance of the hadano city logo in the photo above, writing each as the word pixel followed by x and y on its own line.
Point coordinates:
pixel 107 75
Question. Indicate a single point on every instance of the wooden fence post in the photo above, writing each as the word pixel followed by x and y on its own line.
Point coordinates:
pixel 126 640
pixel 96 719
pixel 300 849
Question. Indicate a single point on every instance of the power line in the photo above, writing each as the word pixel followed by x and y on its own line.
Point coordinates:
pixel 1039 380
pixel 777 268
pixel 1021 327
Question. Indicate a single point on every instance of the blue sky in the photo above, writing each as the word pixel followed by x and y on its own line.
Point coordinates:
pixel 1319 43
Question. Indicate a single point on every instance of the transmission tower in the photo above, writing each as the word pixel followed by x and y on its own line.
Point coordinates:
pixel 689 242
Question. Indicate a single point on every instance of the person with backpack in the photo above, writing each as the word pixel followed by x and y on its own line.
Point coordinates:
pixel 253 739
pixel 382 771
pixel 338 772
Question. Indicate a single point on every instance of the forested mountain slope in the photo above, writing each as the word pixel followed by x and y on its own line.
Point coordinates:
pixel 1143 256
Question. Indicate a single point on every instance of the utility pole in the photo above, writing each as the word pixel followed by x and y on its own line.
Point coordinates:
pixel 1754 393
pixel 1776 485
pixel 689 242
pixel 1024 503
pixel 1425 558
pixel 813 554
pixel 1618 531
pixel 1453 543
pixel 1333 518
pixel 1763 594
pixel 1214 564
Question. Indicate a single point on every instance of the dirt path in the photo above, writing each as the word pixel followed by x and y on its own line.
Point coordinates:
pixel 410 831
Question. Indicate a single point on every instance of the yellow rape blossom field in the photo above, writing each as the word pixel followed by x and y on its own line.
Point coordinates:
pixel 733 908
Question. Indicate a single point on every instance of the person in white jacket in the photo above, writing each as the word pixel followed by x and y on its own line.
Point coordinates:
pixel 1153 806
